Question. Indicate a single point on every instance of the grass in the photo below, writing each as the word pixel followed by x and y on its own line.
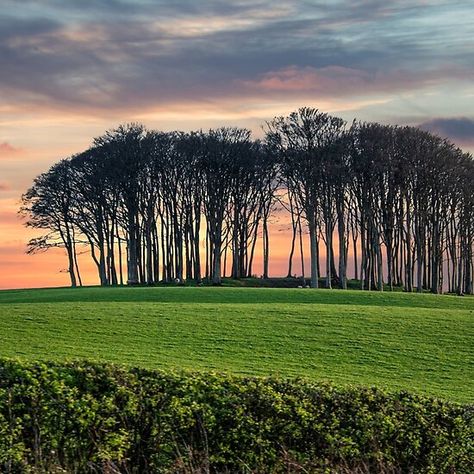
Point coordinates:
pixel 417 342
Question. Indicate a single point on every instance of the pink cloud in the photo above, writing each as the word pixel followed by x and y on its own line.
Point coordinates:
pixel 339 81
pixel 297 79
pixel 8 149
pixel 4 186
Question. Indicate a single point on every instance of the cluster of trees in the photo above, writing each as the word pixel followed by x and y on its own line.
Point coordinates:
pixel 392 204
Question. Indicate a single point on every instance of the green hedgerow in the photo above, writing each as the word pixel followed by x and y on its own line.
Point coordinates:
pixel 83 417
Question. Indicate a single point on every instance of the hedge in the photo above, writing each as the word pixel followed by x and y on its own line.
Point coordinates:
pixel 89 417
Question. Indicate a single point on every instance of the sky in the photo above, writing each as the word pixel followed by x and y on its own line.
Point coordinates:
pixel 71 69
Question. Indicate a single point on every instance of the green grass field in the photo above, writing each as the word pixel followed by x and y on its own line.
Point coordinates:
pixel 417 342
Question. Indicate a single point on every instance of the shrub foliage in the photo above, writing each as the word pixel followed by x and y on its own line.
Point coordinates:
pixel 87 417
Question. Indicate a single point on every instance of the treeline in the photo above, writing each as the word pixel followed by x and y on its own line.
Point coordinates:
pixel 393 204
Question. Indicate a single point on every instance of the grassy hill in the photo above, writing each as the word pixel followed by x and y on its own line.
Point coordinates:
pixel 418 342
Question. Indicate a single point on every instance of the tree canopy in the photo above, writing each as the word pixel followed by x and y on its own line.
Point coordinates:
pixel 393 204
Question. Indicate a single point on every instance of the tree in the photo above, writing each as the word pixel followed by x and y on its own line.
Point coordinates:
pixel 306 142
pixel 402 197
pixel 48 205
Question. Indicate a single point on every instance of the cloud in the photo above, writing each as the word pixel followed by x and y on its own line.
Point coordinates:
pixel 8 149
pixel 4 186
pixel 337 81
pixel 294 79
pixel 458 129
pixel 121 55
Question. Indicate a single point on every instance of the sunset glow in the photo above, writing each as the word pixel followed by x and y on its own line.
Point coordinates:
pixel 71 70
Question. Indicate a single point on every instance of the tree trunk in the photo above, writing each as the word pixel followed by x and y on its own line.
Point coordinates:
pixel 132 264
pixel 313 250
